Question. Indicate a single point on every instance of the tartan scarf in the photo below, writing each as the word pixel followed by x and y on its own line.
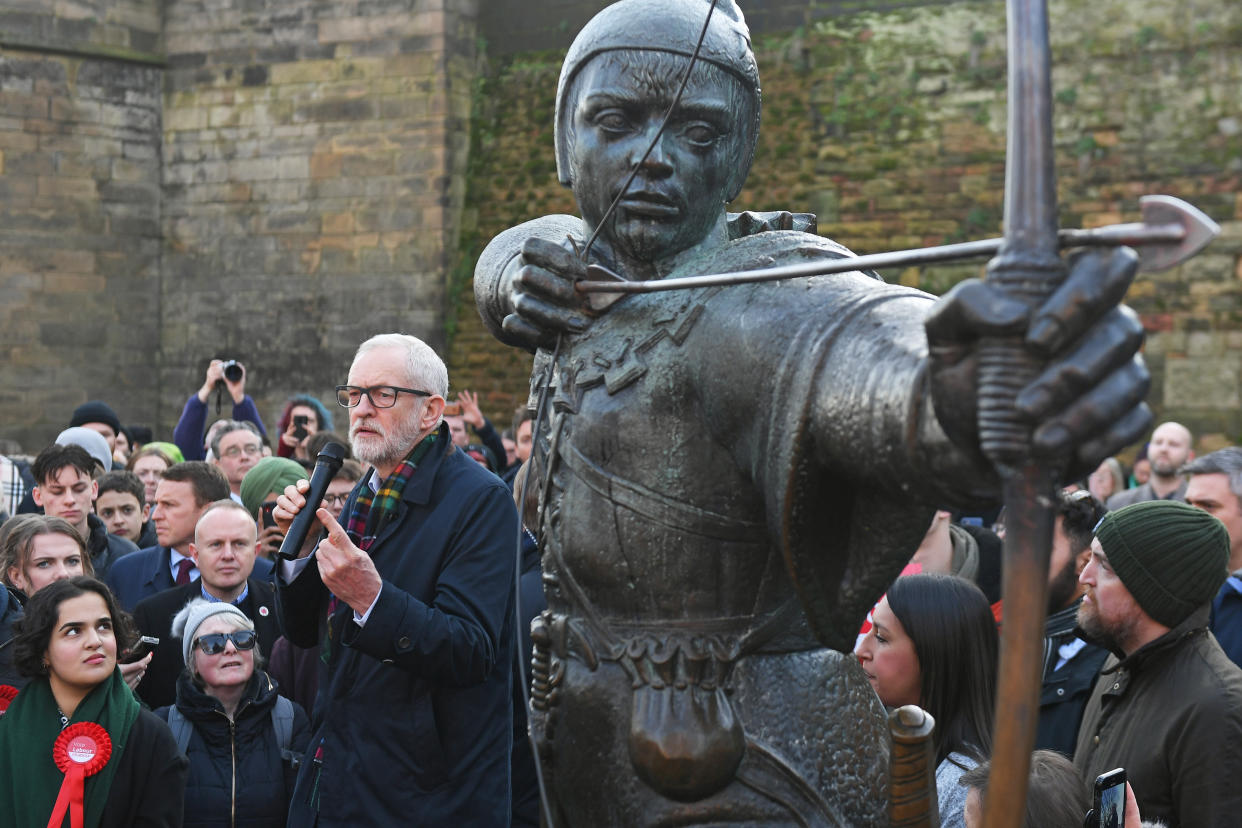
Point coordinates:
pixel 370 514
pixel 373 511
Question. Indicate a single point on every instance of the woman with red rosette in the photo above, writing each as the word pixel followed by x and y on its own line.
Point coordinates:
pixel 75 746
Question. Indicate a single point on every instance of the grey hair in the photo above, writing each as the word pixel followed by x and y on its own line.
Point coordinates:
pixel 227 427
pixel 1226 461
pixel 422 364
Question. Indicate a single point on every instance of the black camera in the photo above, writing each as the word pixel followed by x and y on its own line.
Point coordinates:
pixel 232 370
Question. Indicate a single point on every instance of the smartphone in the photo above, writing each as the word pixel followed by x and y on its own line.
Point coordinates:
pixel 265 512
pixel 139 651
pixel 299 426
pixel 452 409
pixel 1110 799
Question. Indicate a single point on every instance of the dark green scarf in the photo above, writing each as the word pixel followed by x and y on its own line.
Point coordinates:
pixel 29 778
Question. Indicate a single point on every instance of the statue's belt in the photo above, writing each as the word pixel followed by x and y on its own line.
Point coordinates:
pixel 685 739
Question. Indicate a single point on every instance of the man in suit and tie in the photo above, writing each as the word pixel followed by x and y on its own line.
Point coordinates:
pixel 182 497
pixel 224 549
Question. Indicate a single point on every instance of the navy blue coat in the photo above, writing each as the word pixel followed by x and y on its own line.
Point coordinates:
pixel 1226 622
pixel 142 574
pixel 413 724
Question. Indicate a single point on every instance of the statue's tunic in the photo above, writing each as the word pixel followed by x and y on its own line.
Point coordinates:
pixel 725 475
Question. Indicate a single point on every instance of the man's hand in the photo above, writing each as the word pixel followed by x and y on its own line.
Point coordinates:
pixel 344 568
pixel 132 674
pixel 270 540
pixel 542 295
pixel 214 374
pixel 237 390
pixel 470 411
pixel 287 507
pixel 1088 400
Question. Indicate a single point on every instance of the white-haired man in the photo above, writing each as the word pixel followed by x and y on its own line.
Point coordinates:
pixel 410 600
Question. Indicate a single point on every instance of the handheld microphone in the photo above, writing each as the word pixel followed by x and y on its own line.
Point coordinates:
pixel 326 466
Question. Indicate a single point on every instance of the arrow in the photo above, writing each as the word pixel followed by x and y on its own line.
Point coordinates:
pixel 1171 232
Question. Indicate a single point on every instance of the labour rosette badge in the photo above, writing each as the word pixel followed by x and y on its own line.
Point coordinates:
pixel 7 693
pixel 81 750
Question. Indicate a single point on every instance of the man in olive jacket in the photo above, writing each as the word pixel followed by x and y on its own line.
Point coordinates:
pixel 1168 704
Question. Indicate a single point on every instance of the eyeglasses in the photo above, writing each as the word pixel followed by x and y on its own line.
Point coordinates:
pixel 381 396
pixel 334 499
pixel 214 643
pixel 238 451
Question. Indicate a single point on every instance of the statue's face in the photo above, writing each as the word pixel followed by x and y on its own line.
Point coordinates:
pixel 679 192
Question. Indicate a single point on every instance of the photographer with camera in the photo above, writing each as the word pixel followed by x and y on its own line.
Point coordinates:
pixel 222 375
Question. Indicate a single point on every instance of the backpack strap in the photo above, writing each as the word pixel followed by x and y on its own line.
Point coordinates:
pixel 282 722
pixel 180 727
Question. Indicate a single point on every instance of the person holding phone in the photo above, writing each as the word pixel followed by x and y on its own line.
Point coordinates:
pixel 1167 706
pixel 35 552
pixel 301 416
pixel 259 490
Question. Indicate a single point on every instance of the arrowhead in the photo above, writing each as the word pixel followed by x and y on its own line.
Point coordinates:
pixel 1198 229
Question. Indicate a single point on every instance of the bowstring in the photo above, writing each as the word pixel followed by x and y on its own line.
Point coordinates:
pixel 541 407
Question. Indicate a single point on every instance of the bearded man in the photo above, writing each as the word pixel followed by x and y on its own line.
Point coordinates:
pixel 409 599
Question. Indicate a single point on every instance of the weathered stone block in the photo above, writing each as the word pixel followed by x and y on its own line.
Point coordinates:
pixel 1202 383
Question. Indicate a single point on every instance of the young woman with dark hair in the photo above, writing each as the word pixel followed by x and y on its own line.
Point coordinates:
pixel 77 709
pixel 933 643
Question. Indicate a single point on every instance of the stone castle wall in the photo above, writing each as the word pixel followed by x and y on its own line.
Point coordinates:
pixel 314 153
pixel 80 95
pixel 890 125
pixel 274 180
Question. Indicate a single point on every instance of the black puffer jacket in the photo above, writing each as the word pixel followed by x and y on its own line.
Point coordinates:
pixel 237 776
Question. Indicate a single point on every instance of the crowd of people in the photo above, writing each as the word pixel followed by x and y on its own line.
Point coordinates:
pixel 146 579
pixel 141 596
pixel 163 646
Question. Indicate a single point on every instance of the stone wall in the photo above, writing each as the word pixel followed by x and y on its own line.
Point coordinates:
pixel 890 126
pixel 79 211
pixel 314 160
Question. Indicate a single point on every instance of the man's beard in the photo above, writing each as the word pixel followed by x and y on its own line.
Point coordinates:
pixel 1064 587
pixel 1112 634
pixel 1164 469
pixel 386 449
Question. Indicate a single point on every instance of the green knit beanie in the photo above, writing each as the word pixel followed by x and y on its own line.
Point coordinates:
pixel 271 474
pixel 1171 557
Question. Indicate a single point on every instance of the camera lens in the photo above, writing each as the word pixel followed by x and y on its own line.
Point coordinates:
pixel 232 370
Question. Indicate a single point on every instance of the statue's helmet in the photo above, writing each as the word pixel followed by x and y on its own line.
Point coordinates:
pixel 671 26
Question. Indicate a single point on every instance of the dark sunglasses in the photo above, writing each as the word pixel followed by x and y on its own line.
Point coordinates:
pixel 214 643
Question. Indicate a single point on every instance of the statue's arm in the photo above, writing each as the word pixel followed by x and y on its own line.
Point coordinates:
pixel 499 288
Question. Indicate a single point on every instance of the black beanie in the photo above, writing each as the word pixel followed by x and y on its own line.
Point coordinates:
pixel 1171 557
pixel 95 411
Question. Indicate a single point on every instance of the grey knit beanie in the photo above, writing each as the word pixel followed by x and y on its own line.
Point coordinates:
pixel 186 622
pixel 1171 556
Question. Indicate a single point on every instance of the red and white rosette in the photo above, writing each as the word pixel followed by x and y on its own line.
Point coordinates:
pixel 7 693
pixel 81 750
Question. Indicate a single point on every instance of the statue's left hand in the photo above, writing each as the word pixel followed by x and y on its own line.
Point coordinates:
pixel 1087 402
